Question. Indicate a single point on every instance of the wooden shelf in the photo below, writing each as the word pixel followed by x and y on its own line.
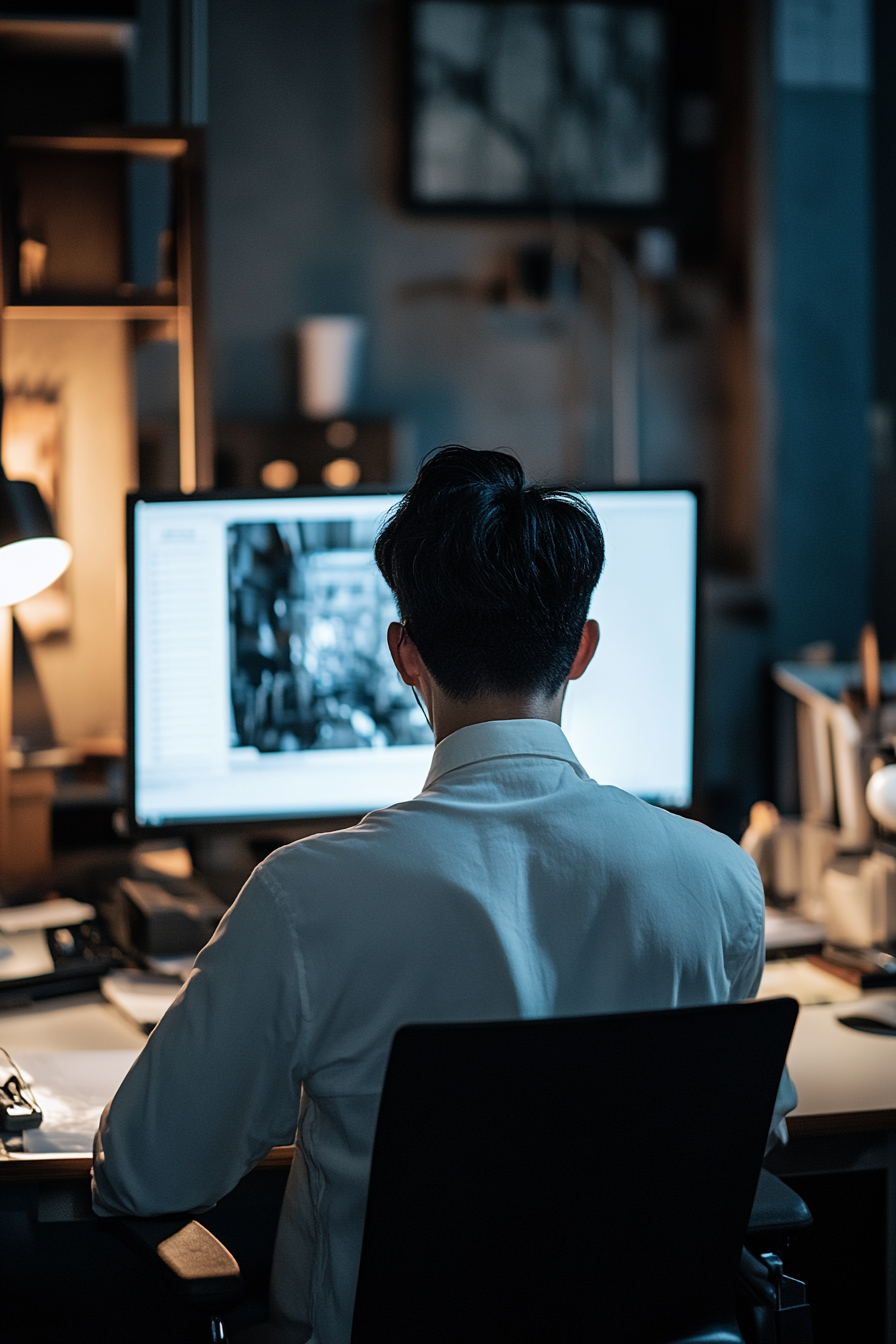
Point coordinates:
pixel 146 143
pixel 101 295
pixel 67 37
pixel 122 310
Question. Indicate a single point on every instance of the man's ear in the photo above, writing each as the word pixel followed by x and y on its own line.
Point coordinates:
pixel 404 654
pixel 587 648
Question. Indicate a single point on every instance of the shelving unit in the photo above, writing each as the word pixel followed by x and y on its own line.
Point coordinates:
pixel 180 299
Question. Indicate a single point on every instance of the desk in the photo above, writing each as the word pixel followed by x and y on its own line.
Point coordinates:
pixel 846 1079
pixel 80 1024
pixel 845 1119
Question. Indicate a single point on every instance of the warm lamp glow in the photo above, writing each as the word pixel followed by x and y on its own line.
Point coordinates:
pixel 279 474
pixel 341 474
pixel 27 567
pixel 341 434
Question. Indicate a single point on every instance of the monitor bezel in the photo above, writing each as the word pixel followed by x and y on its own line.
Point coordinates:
pixel 190 824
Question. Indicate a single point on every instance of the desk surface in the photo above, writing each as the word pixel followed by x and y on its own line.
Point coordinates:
pixel 77 1022
pixel 846 1079
pixel 82 1025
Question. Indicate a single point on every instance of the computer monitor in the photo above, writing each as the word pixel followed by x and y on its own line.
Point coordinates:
pixel 261 687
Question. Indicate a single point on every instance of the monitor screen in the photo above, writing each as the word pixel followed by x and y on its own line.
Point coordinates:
pixel 261 686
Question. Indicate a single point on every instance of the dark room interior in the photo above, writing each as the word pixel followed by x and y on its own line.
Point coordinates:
pixel 268 272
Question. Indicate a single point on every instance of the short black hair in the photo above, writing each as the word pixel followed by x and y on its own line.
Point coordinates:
pixel 493 575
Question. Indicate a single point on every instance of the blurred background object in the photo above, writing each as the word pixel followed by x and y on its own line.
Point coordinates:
pixel 835 864
pixel 31 559
pixel 330 356
pixel 700 292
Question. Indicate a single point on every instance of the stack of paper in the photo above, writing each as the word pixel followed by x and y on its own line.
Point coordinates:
pixel 72 1087
pixel 142 996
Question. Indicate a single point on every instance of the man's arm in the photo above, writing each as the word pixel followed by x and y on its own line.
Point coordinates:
pixel 219 1080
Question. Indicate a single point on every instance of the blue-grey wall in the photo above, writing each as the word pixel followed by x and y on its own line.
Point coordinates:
pixel 302 220
pixel 822 247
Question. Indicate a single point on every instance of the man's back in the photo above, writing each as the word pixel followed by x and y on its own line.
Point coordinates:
pixel 512 886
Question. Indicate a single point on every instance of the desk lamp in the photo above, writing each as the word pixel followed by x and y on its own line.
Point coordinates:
pixel 31 558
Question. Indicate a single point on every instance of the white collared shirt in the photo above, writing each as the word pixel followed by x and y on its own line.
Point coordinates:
pixel 512 886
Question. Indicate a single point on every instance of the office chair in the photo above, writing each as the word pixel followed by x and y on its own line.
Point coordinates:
pixel 584 1179
pixel 208 1282
pixel 579 1179
pixel 198 1269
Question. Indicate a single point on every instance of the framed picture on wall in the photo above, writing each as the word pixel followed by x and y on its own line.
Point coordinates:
pixel 516 107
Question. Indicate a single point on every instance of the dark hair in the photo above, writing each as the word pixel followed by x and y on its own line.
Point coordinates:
pixel 493 576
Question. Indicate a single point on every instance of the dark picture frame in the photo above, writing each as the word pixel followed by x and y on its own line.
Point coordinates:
pixel 527 109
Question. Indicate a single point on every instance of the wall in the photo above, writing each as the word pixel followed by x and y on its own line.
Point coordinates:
pixel 823 366
pixel 812 281
pixel 302 219
pixel 302 133
pixel 883 422
pixel 88 363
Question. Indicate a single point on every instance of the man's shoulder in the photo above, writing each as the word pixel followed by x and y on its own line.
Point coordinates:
pixel 604 817
pixel 374 841
pixel 645 832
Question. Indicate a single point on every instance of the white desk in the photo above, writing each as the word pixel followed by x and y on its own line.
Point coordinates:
pixel 77 1022
pixel 74 1033
pixel 846 1079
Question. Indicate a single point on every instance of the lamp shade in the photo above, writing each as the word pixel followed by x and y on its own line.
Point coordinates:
pixel 31 556
pixel 23 513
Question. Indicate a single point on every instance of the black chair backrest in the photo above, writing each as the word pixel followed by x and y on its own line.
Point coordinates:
pixel 569 1179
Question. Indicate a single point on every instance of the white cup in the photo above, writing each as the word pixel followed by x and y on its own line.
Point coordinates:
pixel 329 364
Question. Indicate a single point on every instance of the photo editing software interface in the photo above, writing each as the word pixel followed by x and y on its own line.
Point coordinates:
pixel 262 685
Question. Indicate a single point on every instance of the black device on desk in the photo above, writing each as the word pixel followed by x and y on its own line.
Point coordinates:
pixel 18 1107
pixel 136 914
pixel 154 916
pixel 54 947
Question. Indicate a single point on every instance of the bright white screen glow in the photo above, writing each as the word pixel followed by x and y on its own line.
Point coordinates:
pixel 262 687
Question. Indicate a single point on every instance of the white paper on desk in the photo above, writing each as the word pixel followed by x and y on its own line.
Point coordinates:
pixel 24 954
pixel 785 930
pixel 143 997
pixel 56 914
pixel 804 982
pixel 71 1087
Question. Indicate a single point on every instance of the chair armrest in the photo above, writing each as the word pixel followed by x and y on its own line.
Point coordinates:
pixel 193 1261
pixel 776 1207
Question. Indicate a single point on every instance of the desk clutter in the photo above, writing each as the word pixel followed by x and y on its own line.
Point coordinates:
pixel 830 873
pixel 66 1091
pixel 53 947
pixel 135 941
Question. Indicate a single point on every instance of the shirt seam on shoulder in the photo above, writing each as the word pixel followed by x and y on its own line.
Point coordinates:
pixel 281 898
pixel 760 937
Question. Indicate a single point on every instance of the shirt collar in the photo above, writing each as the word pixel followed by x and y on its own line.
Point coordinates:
pixel 501 737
